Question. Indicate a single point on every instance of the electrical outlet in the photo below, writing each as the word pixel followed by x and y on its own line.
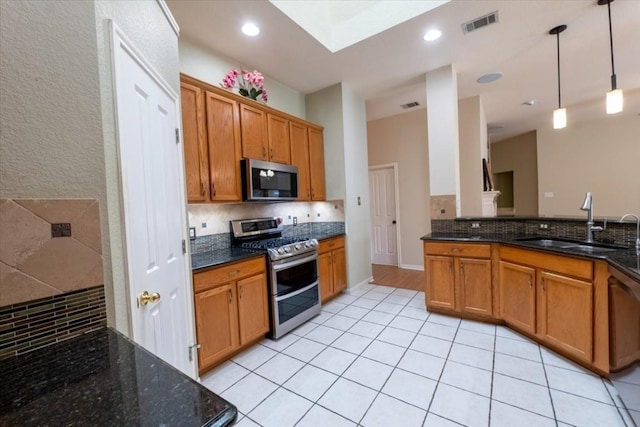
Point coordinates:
pixel 359 201
pixel 443 211
pixel 318 214
pixel 543 226
pixel 475 225
pixel 295 220
pixel 204 225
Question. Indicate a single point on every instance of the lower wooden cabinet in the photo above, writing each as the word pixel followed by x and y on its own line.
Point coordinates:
pixel 332 267
pixel 458 278
pixel 550 297
pixel 231 309
pixel 624 317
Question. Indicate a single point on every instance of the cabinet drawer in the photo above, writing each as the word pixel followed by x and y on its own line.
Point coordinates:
pixel 470 250
pixel 331 244
pixel 575 267
pixel 226 273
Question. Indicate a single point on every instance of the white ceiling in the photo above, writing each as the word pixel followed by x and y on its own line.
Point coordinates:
pixel 388 69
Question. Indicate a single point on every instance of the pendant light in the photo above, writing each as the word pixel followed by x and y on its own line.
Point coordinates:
pixel 559 114
pixel 614 96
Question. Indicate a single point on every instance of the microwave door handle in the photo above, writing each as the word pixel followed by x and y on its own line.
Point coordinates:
pixel 298 292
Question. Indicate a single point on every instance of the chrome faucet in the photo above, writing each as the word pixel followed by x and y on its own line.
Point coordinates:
pixel 587 205
pixel 637 229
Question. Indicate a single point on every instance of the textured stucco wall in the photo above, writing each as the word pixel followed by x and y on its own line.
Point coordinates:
pixel 50 130
pixel 146 26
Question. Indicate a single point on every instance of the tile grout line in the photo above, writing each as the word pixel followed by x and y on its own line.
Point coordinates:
pixel 546 377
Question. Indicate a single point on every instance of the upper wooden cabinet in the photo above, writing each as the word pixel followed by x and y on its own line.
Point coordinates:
pixel 220 128
pixel 253 123
pixel 307 153
pixel 223 126
pixel 194 135
pixel 278 138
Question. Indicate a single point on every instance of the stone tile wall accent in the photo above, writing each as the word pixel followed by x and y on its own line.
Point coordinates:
pixel 34 265
pixel 443 203
pixel 27 326
pixel 618 233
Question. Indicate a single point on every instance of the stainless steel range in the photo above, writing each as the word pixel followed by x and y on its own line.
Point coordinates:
pixel 294 290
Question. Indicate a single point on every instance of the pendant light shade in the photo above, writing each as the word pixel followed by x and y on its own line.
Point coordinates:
pixel 614 96
pixel 560 114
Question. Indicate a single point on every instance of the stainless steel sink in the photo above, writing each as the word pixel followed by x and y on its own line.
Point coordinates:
pixel 550 243
pixel 562 244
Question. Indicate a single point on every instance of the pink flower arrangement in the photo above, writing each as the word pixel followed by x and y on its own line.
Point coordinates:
pixel 249 83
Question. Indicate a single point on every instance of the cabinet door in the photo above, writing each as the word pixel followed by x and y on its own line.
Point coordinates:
pixel 253 310
pixel 300 158
pixel 475 286
pixel 325 275
pixel 316 165
pixel 253 123
pixel 223 140
pixel 278 135
pixel 439 281
pixel 194 139
pixel 517 296
pixel 339 258
pixel 216 324
pixel 565 314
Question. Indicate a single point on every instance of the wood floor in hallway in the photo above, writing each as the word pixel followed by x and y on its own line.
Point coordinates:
pixel 390 275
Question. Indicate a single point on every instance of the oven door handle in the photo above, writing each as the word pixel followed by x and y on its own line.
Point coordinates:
pixel 293 294
pixel 286 263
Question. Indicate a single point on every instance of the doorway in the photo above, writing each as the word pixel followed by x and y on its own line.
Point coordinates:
pixel 383 192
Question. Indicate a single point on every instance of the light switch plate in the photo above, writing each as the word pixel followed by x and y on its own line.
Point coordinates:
pixel 192 233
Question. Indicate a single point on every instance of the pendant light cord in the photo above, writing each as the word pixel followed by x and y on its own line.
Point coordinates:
pixel 613 70
pixel 558 43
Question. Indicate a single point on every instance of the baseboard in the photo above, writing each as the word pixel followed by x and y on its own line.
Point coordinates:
pixel 364 282
pixel 412 267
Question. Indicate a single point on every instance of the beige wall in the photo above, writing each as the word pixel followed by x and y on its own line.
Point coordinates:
pixel 403 139
pixel 210 67
pixel 519 154
pixel 601 156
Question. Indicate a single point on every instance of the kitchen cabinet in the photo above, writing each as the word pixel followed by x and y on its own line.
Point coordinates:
pixel 624 315
pixel 223 141
pixel 332 267
pixel 253 125
pixel 556 291
pixel 194 136
pixel 278 139
pixel 231 309
pixel 458 278
pixel 265 136
pixel 221 127
pixel 307 153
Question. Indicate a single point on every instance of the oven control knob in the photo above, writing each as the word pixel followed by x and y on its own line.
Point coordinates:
pixel 297 247
pixel 280 251
pixel 287 249
pixel 307 244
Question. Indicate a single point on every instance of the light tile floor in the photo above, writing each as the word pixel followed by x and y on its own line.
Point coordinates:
pixel 376 357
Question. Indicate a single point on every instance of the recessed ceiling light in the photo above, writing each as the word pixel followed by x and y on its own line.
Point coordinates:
pixel 530 102
pixel 432 35
pixel 250 29
pixel 488 78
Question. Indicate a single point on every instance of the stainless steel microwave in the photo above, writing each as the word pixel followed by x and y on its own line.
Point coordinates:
pixel 267 181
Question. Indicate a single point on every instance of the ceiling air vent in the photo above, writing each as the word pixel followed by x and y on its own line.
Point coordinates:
pixel 480 22
pixel 410 105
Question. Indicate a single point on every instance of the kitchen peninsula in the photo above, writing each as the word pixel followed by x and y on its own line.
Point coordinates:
pixel 537 276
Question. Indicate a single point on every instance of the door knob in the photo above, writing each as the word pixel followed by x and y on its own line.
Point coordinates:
pixel 145 298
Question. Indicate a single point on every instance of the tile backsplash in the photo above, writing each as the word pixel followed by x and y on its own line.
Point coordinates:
pixel 51 288
pixel 216 216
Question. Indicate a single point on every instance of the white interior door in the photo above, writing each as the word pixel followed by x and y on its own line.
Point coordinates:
pixel 382 186
pixel 154 208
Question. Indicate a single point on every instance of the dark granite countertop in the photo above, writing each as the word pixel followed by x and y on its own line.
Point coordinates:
pixel 626 260
pixel 205 260
pixel 102 378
